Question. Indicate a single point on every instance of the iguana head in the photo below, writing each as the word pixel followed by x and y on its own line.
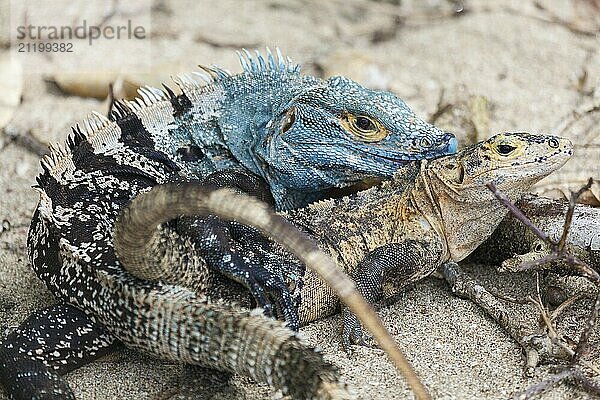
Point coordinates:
pixel 337 132
pixel 512 161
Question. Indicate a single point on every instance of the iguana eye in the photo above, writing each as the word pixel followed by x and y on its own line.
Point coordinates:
pixel 553 143
pixel 505 149
pixel 363 127
pixel 538 247
pixel 365 124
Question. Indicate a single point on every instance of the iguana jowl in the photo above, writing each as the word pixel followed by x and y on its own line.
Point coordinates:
pixel 429 214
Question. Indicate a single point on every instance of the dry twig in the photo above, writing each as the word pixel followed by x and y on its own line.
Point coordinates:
pixel 559 252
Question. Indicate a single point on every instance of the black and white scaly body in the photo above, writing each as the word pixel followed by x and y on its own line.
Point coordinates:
pixel 302 135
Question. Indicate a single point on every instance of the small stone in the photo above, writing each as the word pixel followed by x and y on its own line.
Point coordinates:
pixel 21 169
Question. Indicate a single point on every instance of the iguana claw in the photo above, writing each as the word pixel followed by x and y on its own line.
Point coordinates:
pixel 353 333
pixel 270 292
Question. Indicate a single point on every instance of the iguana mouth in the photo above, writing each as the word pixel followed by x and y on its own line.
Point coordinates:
pixel 403 159
pixel 450 146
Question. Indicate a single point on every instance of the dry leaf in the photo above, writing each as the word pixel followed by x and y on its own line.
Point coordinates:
pixel 94 84
pixel 466 115
pixel 124 85
pixel 356 65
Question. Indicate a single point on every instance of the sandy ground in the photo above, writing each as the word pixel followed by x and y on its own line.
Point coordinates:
pixel 529 69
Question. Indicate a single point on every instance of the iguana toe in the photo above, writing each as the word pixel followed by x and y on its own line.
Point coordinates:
pixel 353 333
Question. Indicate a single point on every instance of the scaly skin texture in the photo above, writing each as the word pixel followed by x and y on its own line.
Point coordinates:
pixel 403 230
pixel 424 217
pixel 301 134
pixel 436 212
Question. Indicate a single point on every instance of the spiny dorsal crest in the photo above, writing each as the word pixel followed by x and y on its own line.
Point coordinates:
pixel 96 129
pixel 102 132
pixel 251 65
pixel 148 96
pixel 273 64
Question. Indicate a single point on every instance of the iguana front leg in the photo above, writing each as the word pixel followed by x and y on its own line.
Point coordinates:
pixel 404 262
pixel 221 253
pixel 50 343
pixel 216 239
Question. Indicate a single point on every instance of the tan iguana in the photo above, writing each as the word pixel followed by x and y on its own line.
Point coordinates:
pixel 402 230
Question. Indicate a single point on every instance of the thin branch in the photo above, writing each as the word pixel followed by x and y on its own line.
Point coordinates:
pixel 570 211
pixel 558 339
pixel 572 373
pixel 535 264
pixel 586 383
pixel 583 345
pixel 538 388
pixel 556 253
pixel 559 252
pixel 27 141
pixel 518 214
pixel 566 304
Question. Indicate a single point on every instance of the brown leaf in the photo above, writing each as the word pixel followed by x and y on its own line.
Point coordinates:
pixel 124 85
pixel 94 84
pixel 356 65
pixel 465 114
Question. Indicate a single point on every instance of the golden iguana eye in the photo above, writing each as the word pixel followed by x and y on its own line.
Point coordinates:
pixel 504 147
pixel 363 127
